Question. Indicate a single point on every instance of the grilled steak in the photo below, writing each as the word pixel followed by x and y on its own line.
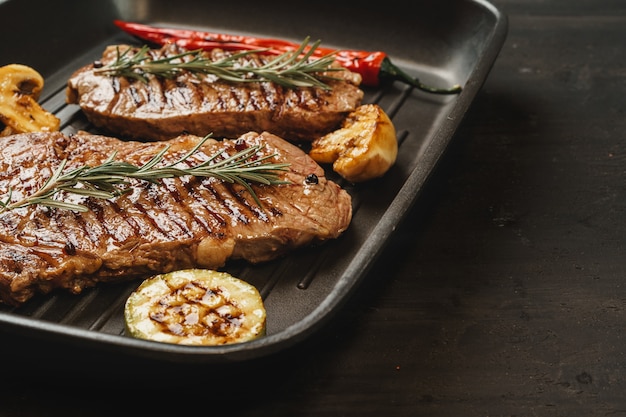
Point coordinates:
pixel 179 223
pixel 202 104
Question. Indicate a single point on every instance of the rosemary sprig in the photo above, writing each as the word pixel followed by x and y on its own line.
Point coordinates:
pixel 290 69
pixel 111 178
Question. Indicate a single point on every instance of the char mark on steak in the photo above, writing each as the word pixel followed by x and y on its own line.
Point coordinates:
pixel 164 108
pixel 179 223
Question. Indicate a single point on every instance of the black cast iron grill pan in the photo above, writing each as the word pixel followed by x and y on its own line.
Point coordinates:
pixel 448 42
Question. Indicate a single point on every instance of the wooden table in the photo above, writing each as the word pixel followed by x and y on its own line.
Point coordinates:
pixel 503 294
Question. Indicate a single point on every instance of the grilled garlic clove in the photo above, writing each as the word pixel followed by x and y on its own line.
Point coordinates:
pixel 195 307
pixel 365 146
pixel 20 87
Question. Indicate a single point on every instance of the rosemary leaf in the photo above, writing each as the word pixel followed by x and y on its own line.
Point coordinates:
pixel 112 178
pixel 290 69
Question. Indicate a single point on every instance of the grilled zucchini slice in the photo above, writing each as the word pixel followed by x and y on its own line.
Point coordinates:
pixel 195 307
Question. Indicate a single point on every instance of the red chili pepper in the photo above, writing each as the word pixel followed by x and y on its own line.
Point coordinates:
pixel 374 67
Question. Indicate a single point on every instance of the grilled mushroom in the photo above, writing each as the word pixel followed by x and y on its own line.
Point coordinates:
pixel 365 146
pixel 20 87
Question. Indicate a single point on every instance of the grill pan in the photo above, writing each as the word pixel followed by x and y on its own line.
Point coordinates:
pixel 447 42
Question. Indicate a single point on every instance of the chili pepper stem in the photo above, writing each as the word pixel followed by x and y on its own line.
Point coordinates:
pixel 391 72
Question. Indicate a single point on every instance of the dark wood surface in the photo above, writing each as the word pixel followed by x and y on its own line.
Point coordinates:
pixel 503 294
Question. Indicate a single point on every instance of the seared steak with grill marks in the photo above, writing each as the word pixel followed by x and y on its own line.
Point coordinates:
pixel 180 223
pixel 202 104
